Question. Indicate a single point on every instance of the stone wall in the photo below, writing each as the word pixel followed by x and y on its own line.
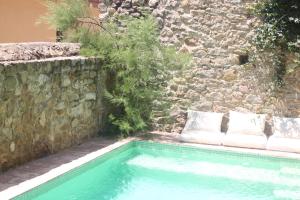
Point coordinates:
pixel 291 94
pixel 47 105
pixel 217 33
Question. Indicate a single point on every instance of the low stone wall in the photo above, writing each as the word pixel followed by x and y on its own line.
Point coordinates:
pixel 47 105
pixel 37 50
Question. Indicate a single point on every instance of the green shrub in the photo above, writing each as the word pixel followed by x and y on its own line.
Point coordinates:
pixel 279 32
pixel 137 63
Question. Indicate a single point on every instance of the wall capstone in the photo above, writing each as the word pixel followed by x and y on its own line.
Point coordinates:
pixel 37 50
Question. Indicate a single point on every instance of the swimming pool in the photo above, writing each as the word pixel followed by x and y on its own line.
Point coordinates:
pixel 148 171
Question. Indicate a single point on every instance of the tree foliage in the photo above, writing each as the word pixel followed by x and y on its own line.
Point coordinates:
pixel 131 53
pixel 281 26
pixel 279 32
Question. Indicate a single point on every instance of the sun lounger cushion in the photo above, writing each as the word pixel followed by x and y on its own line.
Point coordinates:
pixel 203 127
pixel 286 127
pixel 246 130
pixel 245 141
pixel 202 137
pixel 286 135
pixel 204 121
pixel 283 144
pixel 246 123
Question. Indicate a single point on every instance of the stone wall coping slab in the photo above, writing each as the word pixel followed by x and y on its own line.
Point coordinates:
pixel 47 60
pixel 37 50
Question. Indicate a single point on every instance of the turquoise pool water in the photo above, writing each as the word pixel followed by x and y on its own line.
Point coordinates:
pixel 150 171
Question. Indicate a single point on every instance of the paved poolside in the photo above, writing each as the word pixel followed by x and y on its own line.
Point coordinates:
pixel 65 160
pixel 40 166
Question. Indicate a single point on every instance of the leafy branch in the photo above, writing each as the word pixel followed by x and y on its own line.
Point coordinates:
pixel 136 63
pixel 279 32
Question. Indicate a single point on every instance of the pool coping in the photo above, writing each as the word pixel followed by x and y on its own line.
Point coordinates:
pixel 172 138
pixel 258 152
pixel 27 185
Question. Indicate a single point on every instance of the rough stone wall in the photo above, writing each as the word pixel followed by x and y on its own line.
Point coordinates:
pixel 47 105
pixel 291 94
pixel 217 33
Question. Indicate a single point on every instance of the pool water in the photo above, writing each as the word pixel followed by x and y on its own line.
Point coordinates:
pixel 149 171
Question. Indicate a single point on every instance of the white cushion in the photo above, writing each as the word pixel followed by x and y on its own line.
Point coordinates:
pixel 245 141
pixel 286 127
pixel 283 144
pixel 246 123
pixel 202 137
pixel 203 121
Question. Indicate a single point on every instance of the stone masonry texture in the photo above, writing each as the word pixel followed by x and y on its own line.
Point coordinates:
pixel 46 106
pixel 218 34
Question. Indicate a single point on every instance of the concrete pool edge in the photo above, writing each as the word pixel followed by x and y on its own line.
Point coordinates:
pixel 27 185
pixel 262 152
pixel 266 153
